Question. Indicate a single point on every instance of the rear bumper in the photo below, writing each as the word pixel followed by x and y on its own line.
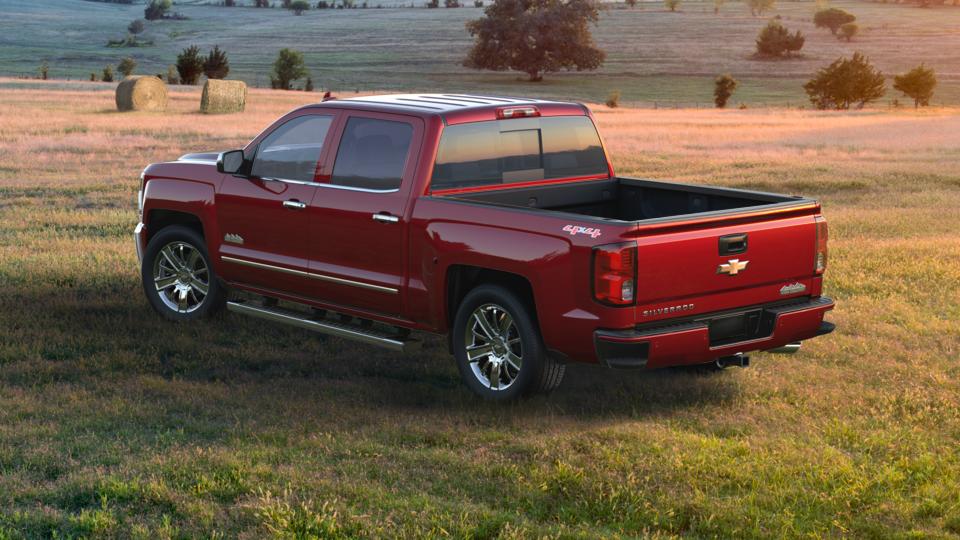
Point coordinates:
pixel 701 340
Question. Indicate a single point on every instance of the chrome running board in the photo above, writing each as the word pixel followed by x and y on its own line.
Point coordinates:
pixel 396 341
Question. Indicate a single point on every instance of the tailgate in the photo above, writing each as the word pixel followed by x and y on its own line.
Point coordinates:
pixel 717 261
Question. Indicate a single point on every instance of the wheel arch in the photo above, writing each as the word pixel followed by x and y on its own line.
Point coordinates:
pixel 462 278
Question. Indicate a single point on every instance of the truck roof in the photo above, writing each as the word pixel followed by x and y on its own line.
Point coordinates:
pixel 455 108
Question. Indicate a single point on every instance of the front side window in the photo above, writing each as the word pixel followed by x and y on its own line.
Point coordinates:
pixel 518 150
pixel 372 154
pixel 291 152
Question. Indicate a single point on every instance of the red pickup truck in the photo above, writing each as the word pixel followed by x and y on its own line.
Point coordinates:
pixel 498 222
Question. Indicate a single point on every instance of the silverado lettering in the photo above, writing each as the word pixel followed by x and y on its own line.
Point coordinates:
pixel 380 218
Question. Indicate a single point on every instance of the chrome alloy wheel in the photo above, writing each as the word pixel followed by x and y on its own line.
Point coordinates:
pixel 181 277
pixel 493 345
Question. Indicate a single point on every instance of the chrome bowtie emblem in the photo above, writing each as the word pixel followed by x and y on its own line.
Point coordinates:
pixel 732 267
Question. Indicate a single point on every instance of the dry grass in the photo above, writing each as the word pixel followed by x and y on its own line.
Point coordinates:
pixel 116 424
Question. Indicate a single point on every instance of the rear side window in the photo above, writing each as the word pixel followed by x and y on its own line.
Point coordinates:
pixel 518 150
pixel 372 154
pixel 292 150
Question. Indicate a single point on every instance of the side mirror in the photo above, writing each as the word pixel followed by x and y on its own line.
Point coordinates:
pixel 230 162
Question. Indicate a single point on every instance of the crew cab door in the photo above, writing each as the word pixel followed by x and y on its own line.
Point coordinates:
pixel 357 229
pixel 265 216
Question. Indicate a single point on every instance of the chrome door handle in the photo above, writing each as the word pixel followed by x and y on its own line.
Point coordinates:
pixel 294 205
pixel 385 218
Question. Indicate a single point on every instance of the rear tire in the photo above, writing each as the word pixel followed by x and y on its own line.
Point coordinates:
pixel 177 276
pixel 498 347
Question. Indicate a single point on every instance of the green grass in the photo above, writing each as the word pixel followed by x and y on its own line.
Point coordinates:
pixel 116 424
pixel 653 56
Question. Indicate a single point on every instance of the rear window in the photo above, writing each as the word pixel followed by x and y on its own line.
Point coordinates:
pixel 518 150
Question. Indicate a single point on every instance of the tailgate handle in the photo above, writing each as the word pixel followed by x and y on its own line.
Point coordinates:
pixel 733 243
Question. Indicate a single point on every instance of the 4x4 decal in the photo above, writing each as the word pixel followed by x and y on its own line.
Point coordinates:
pixel 576 229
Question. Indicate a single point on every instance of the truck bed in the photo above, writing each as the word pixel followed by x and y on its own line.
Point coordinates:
pixel 630 199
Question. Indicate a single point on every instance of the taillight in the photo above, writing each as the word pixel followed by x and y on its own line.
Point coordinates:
pixel 615 273
pixel 504 113
pixel 820 262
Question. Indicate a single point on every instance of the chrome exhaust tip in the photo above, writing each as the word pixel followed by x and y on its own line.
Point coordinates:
pixel 789 348
pixel 738 360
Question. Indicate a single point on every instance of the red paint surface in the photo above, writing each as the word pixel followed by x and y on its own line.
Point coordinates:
pixel 336 236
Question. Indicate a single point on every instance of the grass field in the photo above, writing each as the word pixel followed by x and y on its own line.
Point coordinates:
pixel 654 56
pixel 114 423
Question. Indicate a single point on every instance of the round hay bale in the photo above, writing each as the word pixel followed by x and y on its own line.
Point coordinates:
pixel 221 96
pixel 142 93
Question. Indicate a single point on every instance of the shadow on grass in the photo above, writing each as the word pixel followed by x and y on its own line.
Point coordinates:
pixel 109 338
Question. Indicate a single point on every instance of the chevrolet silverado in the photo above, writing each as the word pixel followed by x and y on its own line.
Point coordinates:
pixel 498 222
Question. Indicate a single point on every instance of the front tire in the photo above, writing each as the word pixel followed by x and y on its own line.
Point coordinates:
pixel 498 347
pixel 177 276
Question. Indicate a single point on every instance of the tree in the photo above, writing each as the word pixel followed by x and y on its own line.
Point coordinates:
pixel 157 9
pixel 107 74
pixel 846 82
pixel 776 41
pixel 229 3
pixel 216 65
pixel 299 6
pixel 308 86
pixel 261 3
pixel 126 66
pixel 832 18
pixel 918 84
pixel 451 3
pixel 723 89
pixel 190 65
pixel 136 27
pixel 672 5
pixel 630 3
pixel 759 7
pixel 44 70
pixel 849 30
pixel 535 37
pixel 288 67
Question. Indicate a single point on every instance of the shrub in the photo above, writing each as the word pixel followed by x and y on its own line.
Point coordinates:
pixel 431 4
pixel 832 18
pixel 93 77
pixel 613 100
pixel 157 9
pixel 631 3
pixel 478 3
pixel 136 27
pixel 126 66
pixel 44 70
pixel 308 86
pixel 288 67
pixel 918 84
pixel 672 5
pixel 846 82
pixel 322 4
pixel 172 76
pixel 261 3
pixel 216 66
pixel 776 41
pixel 723 88
pixel 759 7
pixel 229 3
pixel 717 4
pixel 849 30
pixel 451 3
pixel 190 65
pixel 299 6
pixel 107 74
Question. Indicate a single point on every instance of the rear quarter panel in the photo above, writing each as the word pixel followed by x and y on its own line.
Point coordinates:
pixel 556 263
